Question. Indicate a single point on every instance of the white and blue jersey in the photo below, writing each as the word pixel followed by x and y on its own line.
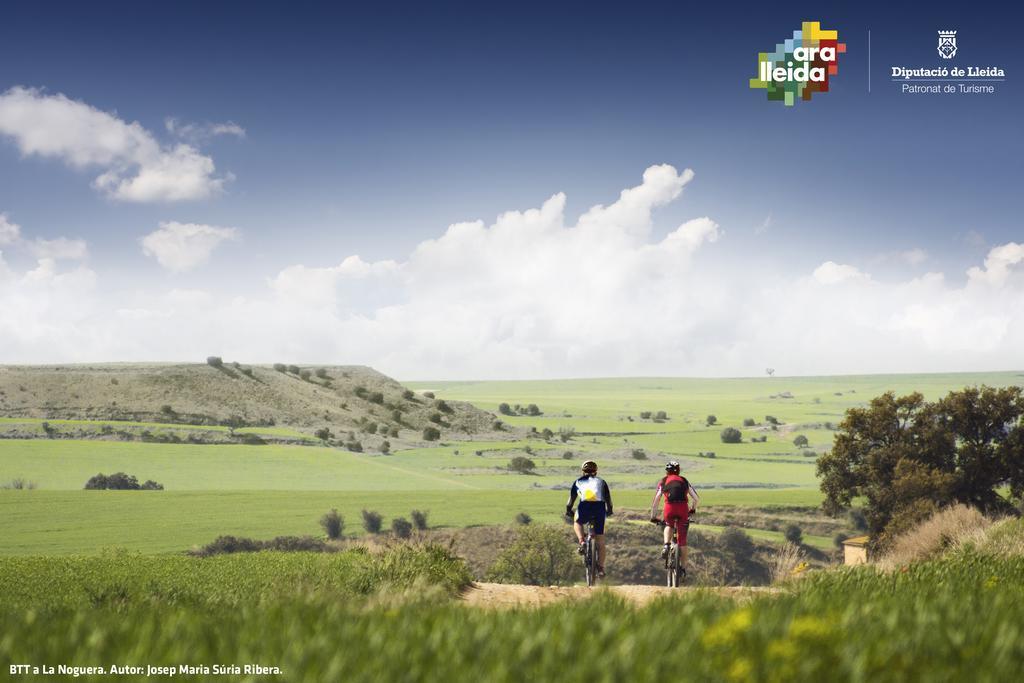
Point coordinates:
pixel 595 501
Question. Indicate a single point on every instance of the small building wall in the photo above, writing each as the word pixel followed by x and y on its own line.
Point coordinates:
pixel 855 554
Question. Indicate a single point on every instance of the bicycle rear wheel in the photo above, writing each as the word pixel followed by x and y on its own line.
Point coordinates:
pixel 590 562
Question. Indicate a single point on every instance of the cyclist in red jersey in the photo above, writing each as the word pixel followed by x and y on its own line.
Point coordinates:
pixel 680 502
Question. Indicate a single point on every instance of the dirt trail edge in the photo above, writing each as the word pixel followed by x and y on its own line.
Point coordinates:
pixel 515 595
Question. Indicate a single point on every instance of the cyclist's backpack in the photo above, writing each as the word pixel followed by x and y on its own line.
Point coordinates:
pixel 675 487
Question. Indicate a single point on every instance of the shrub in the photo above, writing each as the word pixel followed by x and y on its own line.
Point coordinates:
pixel 794 534
pixel 523 518
pixel 333 524
pixel 294 369
pixel 661 415
pixel 401 527
pixel 857 518
pixel 431 434
pixel 711 420
pixel 215 361
pixel 370 428
pixel 567 455
pixel 949 529
pixel 539 556
pixel 305 375
pixel 810 454
pixel 419 519
pixel 436 418
pixel 749 422
pixel 396 415
pixel 150 485
pixel 546 434
pixel 166 409
pixel 247 372
pixel 428 394
pixel 838 539
pixel 408 394
pixel 800 441
pixel 376 397
pixel 121 482
pixel 731 435
pixel 645 415
pixel 232 544
pixel 321 373
pixel 522 465
pixel 785 562
pixel 393 431
pixel 533 411
pixel 48 429
pixel 504 409
pixel 385 447
pixel 736 542
pixel 248 440
pixel 771 419
pixel 566 433
pixel 324 434
pixel 354 446
pixel 443 406
pixel 19 484
pixel 639 454
pixel 280 367
pixel 372 521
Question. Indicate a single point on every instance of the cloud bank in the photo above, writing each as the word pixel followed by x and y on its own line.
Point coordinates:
pixel 534 295
pixel 133 165
pixel 183 246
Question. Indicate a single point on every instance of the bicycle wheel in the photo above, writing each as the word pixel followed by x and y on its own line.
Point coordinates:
pixel 670 567
pixel 589 562
pixel 678 567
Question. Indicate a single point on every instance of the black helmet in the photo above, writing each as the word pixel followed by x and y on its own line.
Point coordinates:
pixel 589 467
pixel 672 467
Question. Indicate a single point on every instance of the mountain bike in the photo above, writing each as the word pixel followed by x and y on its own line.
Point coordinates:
pixel 675 572
pixel 590 555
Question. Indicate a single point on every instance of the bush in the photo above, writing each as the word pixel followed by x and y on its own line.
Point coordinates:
pixel 794 534
pixel 787 561
pixel 731 435
pixel 428 394
pixel 539 556
pixel 505 409
pixel 639 454
pixel 522 465
pixel 737 543
pixel 333 524
pixel 370 428
pixel 372 521
pixel 436 418
pixel 19 484
pixel 661 415
pixel 225 545
pixel 401 527
pixel 800 441
pixel 567 455
pixel 566 433
pixel 546 434
pixel 533 411
pixel 376 397
pixel 354 446
pixel 166 409
pixel 408 394
pixel 443 406
pixel 294 369
pixel 771 419
pixel 215 361
pixel 385 447
pixel 280 367
pixel 324 434
pixel 321 373
pixel 419 519
pixel 711 420
pixel 949 529
pixel 749 422
pixel 523 518
pixel 305 375
pixel 247 372
pixel 645 415
pixel 838 539
pixel 119 481
pixel 431 434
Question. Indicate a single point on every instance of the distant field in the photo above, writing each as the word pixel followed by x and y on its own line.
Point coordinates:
pixel 277 489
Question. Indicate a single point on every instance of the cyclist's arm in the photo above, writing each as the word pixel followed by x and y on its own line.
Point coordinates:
pixel 694 498
pixel 654 503
pixel 572 497
pixel 607 495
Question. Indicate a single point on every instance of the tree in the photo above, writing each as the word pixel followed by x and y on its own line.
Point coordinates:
pixel 215 361
pixel 731 435
pixel 661 415
pixel 372 521
pixel 522 465
pixel 645 415
pixel 711 420
pixel 800 441
pixel 504 409
pixel 419 519
pixel 333 524
pixel 532 410
pixel 794 534
pixel 523 518
pixel 749 422
pixel 539 556
pixel 401 527
pixel 770 372
pixel 907 457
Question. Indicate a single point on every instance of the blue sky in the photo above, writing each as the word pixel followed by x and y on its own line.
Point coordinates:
pixel 368 131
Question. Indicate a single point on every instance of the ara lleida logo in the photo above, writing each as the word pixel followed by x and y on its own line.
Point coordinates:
pixel 800 66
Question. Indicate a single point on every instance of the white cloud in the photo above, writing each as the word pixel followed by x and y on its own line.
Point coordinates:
pixel 832 273
pixel 534 295
pixel 61 248
pixel 10 232
pixel 998 264
pixel 199 132
pixel 915 256
pixel 183 246
pixel 135 166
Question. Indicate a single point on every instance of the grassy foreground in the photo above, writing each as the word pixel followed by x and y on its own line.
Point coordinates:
pixel 959 618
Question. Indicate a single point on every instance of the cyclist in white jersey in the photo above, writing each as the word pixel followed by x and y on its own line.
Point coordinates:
pixel 595 504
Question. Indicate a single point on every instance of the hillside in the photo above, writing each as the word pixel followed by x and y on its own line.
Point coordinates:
pixel 341 398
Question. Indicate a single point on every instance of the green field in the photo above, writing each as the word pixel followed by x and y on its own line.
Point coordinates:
pixel 272 490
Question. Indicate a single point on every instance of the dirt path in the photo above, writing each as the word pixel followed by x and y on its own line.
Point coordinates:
pixel 514 595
